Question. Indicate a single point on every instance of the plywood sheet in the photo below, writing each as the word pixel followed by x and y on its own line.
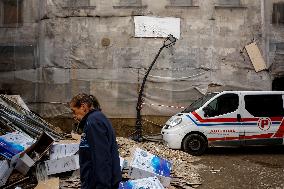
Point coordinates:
pixel 255 57
pixel 146 26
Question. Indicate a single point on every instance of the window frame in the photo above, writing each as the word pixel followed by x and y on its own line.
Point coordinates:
pixel 256 114
pixel 2 15
pixel 274 19
pixel 207 108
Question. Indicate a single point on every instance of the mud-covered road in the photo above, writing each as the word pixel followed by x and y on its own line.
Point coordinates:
pixel 253 167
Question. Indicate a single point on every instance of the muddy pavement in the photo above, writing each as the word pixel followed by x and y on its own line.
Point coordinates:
pixel 247 167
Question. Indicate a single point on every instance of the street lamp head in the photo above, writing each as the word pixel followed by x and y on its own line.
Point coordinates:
pixel 170 41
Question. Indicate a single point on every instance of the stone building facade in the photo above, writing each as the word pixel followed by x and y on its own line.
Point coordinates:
pixel 54 49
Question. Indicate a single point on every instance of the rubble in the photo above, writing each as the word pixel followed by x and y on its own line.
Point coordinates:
pixel 150 182
pixel 29 146
pixel 15 117
pixel 184 173
pixel 145 164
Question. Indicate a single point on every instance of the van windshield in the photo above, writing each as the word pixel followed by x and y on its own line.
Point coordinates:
pixel 198 103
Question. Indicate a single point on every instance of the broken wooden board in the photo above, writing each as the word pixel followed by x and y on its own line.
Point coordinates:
pixel 255 57
pixel 52 183
pixel 76 136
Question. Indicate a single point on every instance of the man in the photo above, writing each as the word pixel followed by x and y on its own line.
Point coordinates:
pixel 98 152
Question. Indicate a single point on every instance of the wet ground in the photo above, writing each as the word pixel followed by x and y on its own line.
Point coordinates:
pixel 250 167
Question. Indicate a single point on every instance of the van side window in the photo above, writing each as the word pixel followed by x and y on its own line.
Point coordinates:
pixel 264 105
pixel 222 105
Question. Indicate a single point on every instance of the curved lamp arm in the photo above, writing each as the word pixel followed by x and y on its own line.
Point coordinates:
pixel 168 42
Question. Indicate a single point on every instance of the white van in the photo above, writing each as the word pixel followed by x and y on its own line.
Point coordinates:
pixel 229 118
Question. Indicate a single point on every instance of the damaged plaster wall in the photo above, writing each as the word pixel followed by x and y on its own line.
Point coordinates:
pixel 273 35
pixel 91 48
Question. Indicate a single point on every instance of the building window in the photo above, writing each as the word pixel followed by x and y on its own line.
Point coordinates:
pixel 130 3
pixel 16 57
pixel 278 13
pixel 78 3
pixel 11 13
pixel 229 2
pixel 180 2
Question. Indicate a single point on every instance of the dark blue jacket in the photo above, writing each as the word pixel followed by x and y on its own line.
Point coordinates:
pixel 98 153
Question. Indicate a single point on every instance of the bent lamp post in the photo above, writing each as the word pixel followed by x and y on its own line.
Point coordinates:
pixel 168 42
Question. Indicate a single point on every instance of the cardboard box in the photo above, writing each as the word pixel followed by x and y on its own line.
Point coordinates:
pixel 23 163
pixel 150 182
pixel 58 151
pixel 14 143
pixel 61 165
pixel 25 160
pixel 5 172
pixel 40 147
pixel 145 165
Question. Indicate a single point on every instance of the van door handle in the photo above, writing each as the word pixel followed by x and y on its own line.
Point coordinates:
pixel 239 118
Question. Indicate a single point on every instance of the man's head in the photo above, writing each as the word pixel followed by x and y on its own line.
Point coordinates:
pixel 81 104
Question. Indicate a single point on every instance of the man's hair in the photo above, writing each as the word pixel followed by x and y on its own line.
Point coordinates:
pixel 82 98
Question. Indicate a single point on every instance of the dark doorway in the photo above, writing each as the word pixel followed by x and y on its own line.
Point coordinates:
pixel 278 84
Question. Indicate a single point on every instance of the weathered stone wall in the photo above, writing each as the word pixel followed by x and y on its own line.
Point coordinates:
pixel 19 52
pixel 274 41
pixel 90 47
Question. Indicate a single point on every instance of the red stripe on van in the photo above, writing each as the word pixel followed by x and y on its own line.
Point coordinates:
pixel 231 119
pixel 268 135
pixel 261 136
pixel 249 119
pixel 215 119
pixel 280 132
pixel 276 118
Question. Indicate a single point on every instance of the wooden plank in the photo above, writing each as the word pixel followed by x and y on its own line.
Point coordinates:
pixel 255 57
pixel 52 183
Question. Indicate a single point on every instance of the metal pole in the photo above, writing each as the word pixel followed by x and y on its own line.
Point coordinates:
pixel 138 132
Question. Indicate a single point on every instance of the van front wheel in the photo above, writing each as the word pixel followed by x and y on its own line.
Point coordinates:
pixel 194 144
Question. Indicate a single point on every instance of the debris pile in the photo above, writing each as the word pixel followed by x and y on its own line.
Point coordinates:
pixel 183 173
pixel 25 141
pixel 17 117
pixel 32 155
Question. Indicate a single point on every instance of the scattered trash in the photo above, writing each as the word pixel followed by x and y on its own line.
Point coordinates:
pixel 145 164
pixel 150 182
pixel 183 173
pixel 215 171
